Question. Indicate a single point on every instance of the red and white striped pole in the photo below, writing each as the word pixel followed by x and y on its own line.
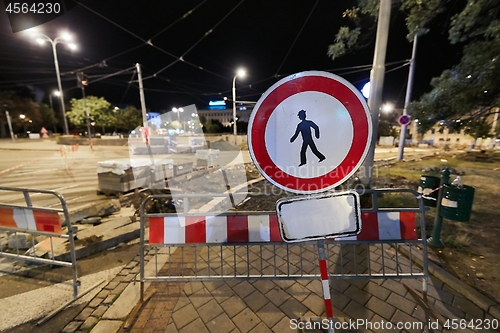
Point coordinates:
pixel 325 284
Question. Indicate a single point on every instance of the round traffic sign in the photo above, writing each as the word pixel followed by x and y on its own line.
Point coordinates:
pixel 404 120
pixel 309 132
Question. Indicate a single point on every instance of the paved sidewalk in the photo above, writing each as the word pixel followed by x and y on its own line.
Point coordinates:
pixel 270 306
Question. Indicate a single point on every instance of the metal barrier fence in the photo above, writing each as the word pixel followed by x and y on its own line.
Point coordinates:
pixel 37 221
pixel 247 245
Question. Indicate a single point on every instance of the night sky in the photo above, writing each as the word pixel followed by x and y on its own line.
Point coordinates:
pixel 193 59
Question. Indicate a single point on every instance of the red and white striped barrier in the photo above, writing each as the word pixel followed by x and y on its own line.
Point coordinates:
pixel 214 229
pixel 30 219
pixel 386 226
pixel 264 228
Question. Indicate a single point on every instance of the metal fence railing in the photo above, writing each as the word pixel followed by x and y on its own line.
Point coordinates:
pixel 247 245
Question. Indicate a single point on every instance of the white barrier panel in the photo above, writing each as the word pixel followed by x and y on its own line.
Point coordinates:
pixel 328 215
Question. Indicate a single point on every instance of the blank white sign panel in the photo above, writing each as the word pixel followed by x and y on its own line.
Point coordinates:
pixel 319 216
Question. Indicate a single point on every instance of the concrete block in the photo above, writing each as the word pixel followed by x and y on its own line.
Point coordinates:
pixel 20 240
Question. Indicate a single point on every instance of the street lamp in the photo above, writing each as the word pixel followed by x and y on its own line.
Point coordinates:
pixel 241 73
pixel 64 38
pixel 178 111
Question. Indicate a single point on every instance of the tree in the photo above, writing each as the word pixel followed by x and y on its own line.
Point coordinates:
pixel 470 90
pixel 99 110
pixel 213 126
pixel 128 119
pixel 18 103
pixel 48 117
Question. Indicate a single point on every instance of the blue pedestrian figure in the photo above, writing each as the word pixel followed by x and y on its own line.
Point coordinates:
pixel 304 128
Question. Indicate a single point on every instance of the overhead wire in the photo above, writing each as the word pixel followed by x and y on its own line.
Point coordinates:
pixel 297 37
pixel 181 58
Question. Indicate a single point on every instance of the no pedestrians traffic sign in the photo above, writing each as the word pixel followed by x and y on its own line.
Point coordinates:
pixel 309 132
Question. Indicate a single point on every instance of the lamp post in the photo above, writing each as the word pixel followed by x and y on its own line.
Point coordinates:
pixel 240 73
pixel 65 38
pixel 178 111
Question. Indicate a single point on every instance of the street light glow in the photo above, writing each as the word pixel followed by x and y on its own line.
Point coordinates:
pixel 66 36
pixel 241 72
pixel 387 107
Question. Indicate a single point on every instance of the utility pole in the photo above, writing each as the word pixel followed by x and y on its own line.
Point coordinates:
pixel 377 83
pixel 10 125
pixel 409 88
pixel 141 94
pixel 82 83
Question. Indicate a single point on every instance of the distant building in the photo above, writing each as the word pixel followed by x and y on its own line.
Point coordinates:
pixel 223 112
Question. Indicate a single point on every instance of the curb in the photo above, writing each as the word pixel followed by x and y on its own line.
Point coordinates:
pixel 483 302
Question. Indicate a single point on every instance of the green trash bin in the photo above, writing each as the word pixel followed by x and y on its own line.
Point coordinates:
pixel 457 202
pixel 426 186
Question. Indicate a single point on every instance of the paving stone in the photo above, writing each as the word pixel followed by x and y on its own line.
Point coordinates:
pixel 282 326
pixel 233 306
pixel 246 320
pixel 270 314
pixel 220 324
pixel 193 287
pixel 96 302
pixel 261 328
pixel 277 295
pixel 88 323
pixel 170 328
pixel 103 294
pixel 99 311
pixel 184 316
pixel 107 326
pixel 448 311
pixel 112 285
pixel 199 297
pixel 338 299
pixel 298 291
pixel 255 300
pixel 467 307
pixel 209 311
pixel 315 304
pixel 222 293
pixel 356 310
pixel 384 309
pixel 404 304
pixel 244 289
pixel 195 326
pixel 284 284
pixel 84 314
pixel 119 288
pixel 377 290
pixel 401 317
pixel 213 285
pixel 72 327
pixel 395 286
pixel 357 294
pixel 182 301
pixel 264 285
pixel 293 308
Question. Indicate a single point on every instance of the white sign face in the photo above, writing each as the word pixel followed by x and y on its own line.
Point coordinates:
pixel 321 109
pixel 309 132
pixel 319 216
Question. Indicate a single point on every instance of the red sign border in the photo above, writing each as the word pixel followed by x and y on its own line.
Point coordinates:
pixel 327 83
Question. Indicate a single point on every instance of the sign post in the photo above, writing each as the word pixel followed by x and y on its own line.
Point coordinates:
pixel 307 134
